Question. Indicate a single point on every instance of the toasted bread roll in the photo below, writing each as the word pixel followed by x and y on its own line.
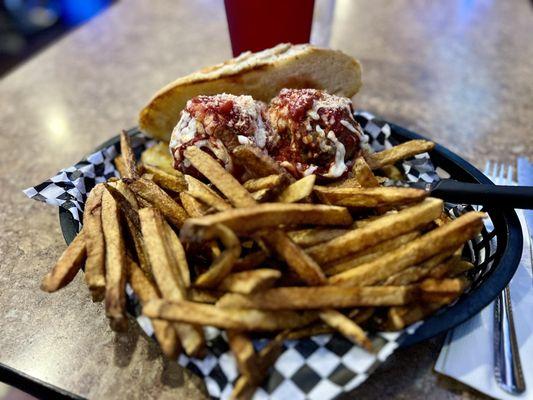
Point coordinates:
pixel 261 75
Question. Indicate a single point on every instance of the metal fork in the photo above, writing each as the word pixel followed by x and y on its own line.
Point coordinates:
pixel 507 366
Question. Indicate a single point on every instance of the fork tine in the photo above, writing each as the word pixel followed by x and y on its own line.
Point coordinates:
pixel 510 173
pixel 486 171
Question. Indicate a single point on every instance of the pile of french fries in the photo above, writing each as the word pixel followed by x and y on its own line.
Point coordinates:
pixel 288 258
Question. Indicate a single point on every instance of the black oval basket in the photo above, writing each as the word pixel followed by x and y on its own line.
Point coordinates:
pixel 495 253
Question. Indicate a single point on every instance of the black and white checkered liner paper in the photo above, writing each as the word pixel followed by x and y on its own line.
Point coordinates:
pixel 321 367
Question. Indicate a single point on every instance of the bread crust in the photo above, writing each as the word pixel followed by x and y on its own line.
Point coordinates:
pixel 261 75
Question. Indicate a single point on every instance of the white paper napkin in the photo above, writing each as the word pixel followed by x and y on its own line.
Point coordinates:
pixel 467 354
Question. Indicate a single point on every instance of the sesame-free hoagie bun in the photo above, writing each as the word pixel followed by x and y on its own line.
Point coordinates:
pixel 261 75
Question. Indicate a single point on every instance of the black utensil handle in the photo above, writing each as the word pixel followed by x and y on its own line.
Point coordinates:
pixel 488 195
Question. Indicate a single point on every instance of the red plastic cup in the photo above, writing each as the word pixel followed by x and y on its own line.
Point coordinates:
pixel 260 24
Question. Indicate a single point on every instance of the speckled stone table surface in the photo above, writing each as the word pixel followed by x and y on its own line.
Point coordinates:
pixel 459 72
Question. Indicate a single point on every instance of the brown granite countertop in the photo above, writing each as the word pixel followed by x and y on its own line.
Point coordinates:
pixel 458 72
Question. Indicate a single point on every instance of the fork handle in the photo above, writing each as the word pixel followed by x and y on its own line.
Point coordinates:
pixel 487 195
pixel 507 366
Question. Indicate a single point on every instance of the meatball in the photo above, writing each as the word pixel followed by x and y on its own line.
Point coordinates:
pixel 218 124
pixel 313 132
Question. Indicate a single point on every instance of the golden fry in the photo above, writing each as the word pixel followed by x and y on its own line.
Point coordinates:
pixel 243 350
pixel 227 318
pixel 398 153
pixel 348 328
pixel 115 264
pixel 298 190
pixel 363 174
pixel 128 205
pixel 175 183
pixel 193 207
pixel 257 163
pixel 267 182
pixel 223 264
pixel 146 291
pixel 168 282
pixel 311 236
pixel 249 281
pixel 177 251
pixel 370 197
pixel 297 259
pixel 203 296
pixel 301 298
pixel 448 236
pixel 120 165
pixel 250 261
pixel 152 193
pixel 94 243
pixel 223 180
pixel 67 266
pixel 262 195
pixel 369 254
pixel 268 215
pixel 205 194
pixel 380 229
pixel 159 156
pixel 128 157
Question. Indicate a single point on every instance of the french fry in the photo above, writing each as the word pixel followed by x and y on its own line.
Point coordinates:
pixel 442 238
pixel 361 315
pixel 168 282
pixel 370 197
pixel 67 266
pixel 94 243
pixel 246 282
pixel 309 237
pixel 306 268
pixel 244 387
pixel 297 259
pixel 115 264
pixel 301 298
pixel 257 163
pixel 298 190
pixel 223 264
pixel 369 254
pixel 128 205
pixel 159 156
pixel 193 207
pixel 457 268
pixel 146 291
pixel 120 165
pixel 180 259
pixel 348 328
pixel 152 193
pixel 380 229
pixel 262 195
pixel 205 194
pixel 128 157
pixel 417 272
pixel 398 153
pixel 243 350
pixel 267 182
pixel 402 316
pixel 204 296
pixel 308 331
pixel 227 318
pixel 175 183
pixel 392 172
pixel 363 174
pixel 224 181
pixel 345 183
pixel 268 215
pixel 250 261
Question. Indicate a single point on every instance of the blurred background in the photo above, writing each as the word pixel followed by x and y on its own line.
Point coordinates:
pixel 27 26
